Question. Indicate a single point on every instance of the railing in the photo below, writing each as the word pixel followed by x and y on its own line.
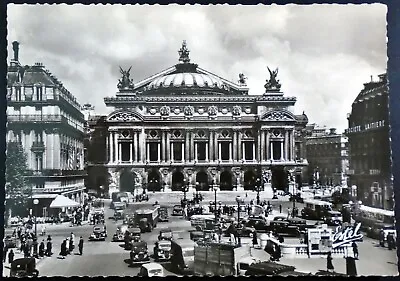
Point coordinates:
pixel 49 173
pixel 300 251
pixel 57 189
pixel 35 118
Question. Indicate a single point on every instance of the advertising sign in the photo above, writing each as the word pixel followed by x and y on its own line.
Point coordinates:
pixel 346 235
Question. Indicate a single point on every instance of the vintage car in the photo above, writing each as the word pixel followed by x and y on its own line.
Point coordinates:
pixel 165 234
pixel 120 233
pixel 151 269
pixel 162 250
pixel 10 241
pixel 139 253
pixel 132 234
pixel 243 230
pixel 333 218
pixel 259 224
pixel 99 233
pixel 118 214
pixel 24 267
pixel 177 210
pixel 284 227
pixel 163 214
pixel 128 219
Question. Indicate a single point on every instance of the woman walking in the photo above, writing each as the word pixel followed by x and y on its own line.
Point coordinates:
pixel 329 264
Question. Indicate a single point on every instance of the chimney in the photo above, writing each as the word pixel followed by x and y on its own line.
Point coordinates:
pixel 332 131
pixel 15 49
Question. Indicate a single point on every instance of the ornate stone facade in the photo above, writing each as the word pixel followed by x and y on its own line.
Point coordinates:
pixel 189 127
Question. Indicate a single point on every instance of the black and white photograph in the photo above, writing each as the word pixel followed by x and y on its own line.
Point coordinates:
pixel 198 140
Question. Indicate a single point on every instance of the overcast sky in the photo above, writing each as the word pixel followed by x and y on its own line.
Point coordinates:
pixel 324 52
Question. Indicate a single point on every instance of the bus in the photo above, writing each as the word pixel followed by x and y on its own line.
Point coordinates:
pixel 147 218
pixel 370 217
pixel 316 209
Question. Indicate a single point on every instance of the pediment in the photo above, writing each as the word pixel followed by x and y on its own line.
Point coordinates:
pixel 278 115
pixel 125 116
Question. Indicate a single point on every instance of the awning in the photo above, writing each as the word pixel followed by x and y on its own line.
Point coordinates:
pixel 61 202
pixel 44 196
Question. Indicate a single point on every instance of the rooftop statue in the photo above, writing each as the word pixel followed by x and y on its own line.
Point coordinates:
pixel 242 79
pixel 125 83
pixel 184 53
pixel 273 83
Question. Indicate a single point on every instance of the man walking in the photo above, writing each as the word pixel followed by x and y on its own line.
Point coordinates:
pixel 329 264
pixel 355 249
pixel 11 256
pixel 80 245
pixel 49 247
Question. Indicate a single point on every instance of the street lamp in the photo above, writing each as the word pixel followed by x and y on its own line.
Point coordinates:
pixel 258 189
pixel 35 203
pixel 215 187
pixel 239 200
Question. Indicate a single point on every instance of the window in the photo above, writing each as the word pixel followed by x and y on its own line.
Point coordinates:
pixel 153 151
pixel 125 151
pixel 39 162
pixel 201 151
pixel 225 150
pixel 248 148
pixel 276 150
pixel 39 93
pixel 177 150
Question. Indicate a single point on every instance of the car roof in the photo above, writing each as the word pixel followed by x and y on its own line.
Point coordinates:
pixel 152 265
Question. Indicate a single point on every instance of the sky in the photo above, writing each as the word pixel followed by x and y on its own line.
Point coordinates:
pixel 324 52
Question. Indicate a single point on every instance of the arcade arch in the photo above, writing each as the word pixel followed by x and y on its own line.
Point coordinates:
pixel 202 180
pixel 225 181
pixel 249 180
pixel 178 180
pixel 153 181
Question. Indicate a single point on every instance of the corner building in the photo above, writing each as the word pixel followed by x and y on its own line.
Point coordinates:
pixel 47 120
pixel 187 127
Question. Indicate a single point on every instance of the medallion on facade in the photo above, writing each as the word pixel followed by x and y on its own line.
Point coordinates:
pixel 200 110
pixel 153 111
pixel 212 110
pixel 273 83
pixel 188 110
pixel 125 83
pixel 236 110
pixel 224 110
pixel 177 110
pixel 165 110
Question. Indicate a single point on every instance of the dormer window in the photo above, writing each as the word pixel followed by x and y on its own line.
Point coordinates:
pixel 39 93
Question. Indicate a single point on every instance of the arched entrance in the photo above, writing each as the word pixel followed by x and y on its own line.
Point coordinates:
pixel 225 181
pixel 127 181
pixel 202 179
pixel 249 180
pixel 178 180
pixel 153 181
pixel 279 178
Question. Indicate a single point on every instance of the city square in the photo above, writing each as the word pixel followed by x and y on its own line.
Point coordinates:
pixel 224 167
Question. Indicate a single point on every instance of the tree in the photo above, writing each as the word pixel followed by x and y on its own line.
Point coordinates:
pixel 18 190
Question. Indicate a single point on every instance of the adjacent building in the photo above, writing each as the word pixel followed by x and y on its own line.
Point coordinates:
pixel 186 127
pixel 327 155
pixel 47 120
pixel 369 145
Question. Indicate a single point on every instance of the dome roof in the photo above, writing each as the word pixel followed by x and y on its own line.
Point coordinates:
pixel 187 79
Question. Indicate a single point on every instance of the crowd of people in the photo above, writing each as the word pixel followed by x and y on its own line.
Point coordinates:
pixel 68 246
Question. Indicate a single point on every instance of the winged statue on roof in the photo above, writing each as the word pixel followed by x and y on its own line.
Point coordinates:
pixel 125 83
pixel 273 83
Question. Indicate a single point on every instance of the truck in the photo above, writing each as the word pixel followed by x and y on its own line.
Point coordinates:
pixel 146 219
pixel 222 259
pixel 182 255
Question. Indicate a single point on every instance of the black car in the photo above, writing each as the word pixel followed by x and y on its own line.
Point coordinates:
pixel 258 224
pixel 163 214
pixel 139 253
pixel 177 210
pixel 24 267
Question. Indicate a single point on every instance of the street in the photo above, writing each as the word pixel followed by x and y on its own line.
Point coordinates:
pixel 106 258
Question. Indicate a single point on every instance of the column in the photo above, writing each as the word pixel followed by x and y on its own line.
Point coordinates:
pixel 286 145
pixel 207 151
pixel 272 150
pixel 292 145
pixel 111 144
pixel 262 148
pixel 230 151
pixel 159 152
pixel 131 151
pixel 143 145
pixel 183 151
pixel 254 151
pixel 235 145
pixel 136 146
pixel 187 149
pixel 119 152
pixel 219 151
pixel 108 148
pixel 240 146
pixel 192 152
pixel 269 154
pixel 281 149
pixel 148 151
pixel 211 141
pixel 195 150
pixel 243 151
pixel 116 159
pixel 163 146
pixel 216 150
pixel 168 146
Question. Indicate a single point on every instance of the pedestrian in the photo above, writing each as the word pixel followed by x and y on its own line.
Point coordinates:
pixel 382 238
pixel 41 249
pixel 255 240
pixel 35 248
pixel 390 241
pixel 48 238
pixel 49 248
pixel 329 264
pixel 355 249
pixel 11 256
pixel 80 245
pixel 43 232
pixel 26 251
pixel 63 250
pixel 72 242
pixel 5 250
pixel 280 208
pixel 67 243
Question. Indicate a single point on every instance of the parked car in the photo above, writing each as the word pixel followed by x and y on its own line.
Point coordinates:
pixel 139 253
pixel 10 241
pixel 151 269
pixel 177 210
pixel 99 233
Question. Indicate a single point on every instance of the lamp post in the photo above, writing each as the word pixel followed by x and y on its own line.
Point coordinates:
pixel 215 187
pixel 239 200
pixel 258 189
pixel 35 203
pixel 197 191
